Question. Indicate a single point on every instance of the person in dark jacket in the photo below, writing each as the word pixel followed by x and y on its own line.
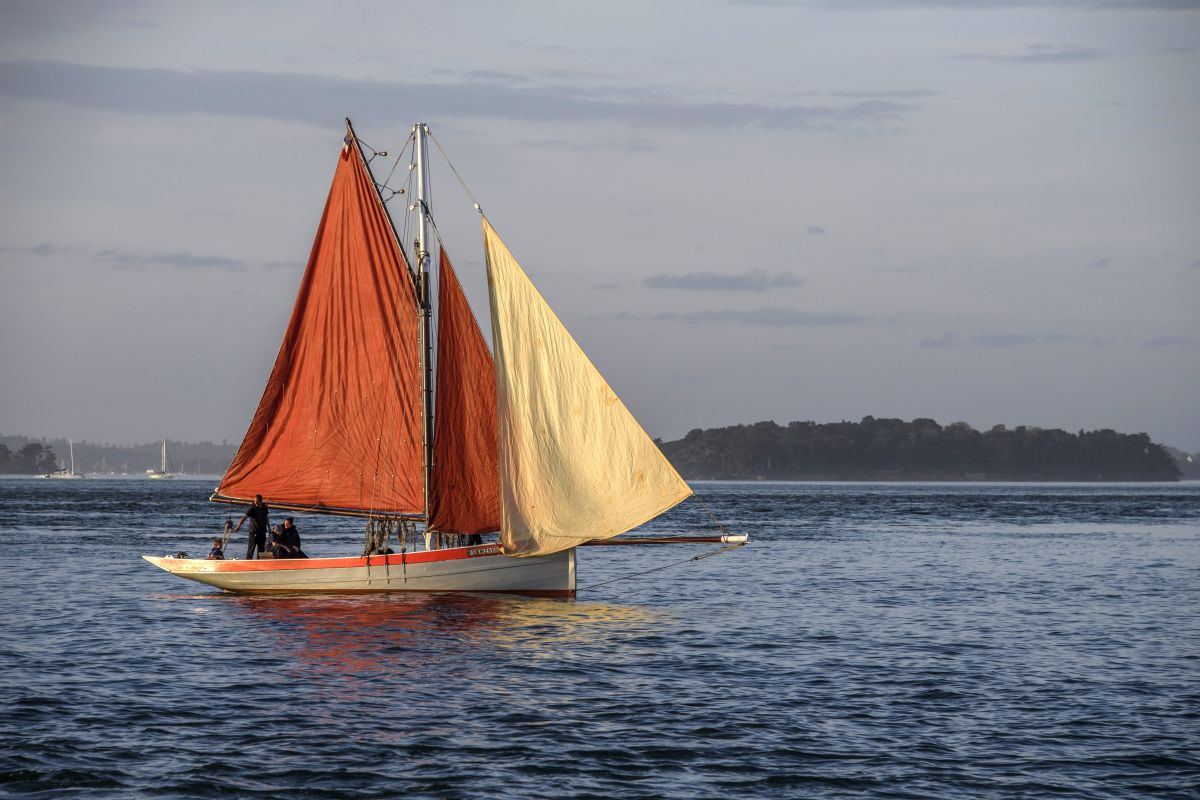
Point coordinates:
pixel 275 543
pixel 217 553
pixel 290 540
pixel 260 523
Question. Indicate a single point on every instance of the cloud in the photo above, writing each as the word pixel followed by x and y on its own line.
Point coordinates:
pixel 1044 54
pixel 768 317
pixel 949 339
pixel 25 18
pixel 960 5
pixel 43 249
pixel 754 280
pixel 892 93
pixel 816 230
pixel 1099 263
pixel 281 265
pixel 581 146
pixel 1018 339
pixel 1168 341
pixel 605 286
pixel 1003 340
pixel 318 100
pixel 185 259
pixel 953 340
pixel 126 259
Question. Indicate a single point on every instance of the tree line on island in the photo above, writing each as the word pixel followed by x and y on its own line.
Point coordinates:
pixel 33 458
pixel 892 449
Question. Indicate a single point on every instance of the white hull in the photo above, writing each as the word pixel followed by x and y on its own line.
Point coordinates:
pixel 159 476
pixel 65 476
pixel 480 568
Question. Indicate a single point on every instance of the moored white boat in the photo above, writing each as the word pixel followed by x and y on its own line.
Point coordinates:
pixel 69 473
pixel 164 470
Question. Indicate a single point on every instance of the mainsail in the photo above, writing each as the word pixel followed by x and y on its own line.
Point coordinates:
pixel 464 491
pixel 574 463
pixel 339 424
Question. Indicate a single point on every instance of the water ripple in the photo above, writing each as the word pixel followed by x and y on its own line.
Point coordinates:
pixel 892 641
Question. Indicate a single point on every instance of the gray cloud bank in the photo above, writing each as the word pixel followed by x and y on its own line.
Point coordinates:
pixel 994 340
pixel 125 259
pixel 1044 53
pixel 1168 341
pixel 768 317
pixel 316 99
pixel 754 280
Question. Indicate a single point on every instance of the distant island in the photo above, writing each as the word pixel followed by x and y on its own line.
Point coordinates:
pixel 869 450
pixel 921 450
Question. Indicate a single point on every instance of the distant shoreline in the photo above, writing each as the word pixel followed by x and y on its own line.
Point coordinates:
pixel 921 450
pixel 749 481
pixel 872 450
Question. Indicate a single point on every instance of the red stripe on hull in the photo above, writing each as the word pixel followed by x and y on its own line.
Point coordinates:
pixel 481 568
pixel 559 594
pixel 395 559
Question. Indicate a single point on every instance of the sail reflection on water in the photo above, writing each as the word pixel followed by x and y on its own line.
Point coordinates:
pixel 376 636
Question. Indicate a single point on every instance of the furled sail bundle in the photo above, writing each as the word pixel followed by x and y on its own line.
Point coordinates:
pixel 464 490
pixel 339 424
pixel 574 463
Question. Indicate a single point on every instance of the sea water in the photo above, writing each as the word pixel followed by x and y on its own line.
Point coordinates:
pixel 874 640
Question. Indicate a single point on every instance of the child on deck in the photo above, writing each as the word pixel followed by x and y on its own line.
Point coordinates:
pixel 216 554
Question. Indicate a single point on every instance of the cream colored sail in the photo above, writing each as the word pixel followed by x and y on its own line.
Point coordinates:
pixel 574 463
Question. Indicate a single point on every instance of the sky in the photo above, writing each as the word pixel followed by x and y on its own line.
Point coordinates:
pixel 743 210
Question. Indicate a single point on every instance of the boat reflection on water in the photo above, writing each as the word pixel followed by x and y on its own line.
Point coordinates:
pixel 367 637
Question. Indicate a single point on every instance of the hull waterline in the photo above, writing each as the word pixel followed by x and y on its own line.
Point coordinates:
pixel 480 568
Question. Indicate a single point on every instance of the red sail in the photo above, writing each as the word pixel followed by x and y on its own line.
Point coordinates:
pixel 339 424
pixel 464 490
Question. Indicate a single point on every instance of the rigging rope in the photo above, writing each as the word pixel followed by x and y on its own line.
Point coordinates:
pixel 711 515
pixel 700 557
pixel 228 530
pixel 450 164
pixel 399 158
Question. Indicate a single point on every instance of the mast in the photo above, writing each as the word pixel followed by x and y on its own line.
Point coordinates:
pixel 422 252
pixel 71 446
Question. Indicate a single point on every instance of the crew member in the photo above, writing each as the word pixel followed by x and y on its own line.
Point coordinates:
pixel 260 523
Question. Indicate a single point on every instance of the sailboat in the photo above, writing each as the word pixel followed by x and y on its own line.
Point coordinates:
pixel 164 471
pixel 531 443
pixel 68 473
